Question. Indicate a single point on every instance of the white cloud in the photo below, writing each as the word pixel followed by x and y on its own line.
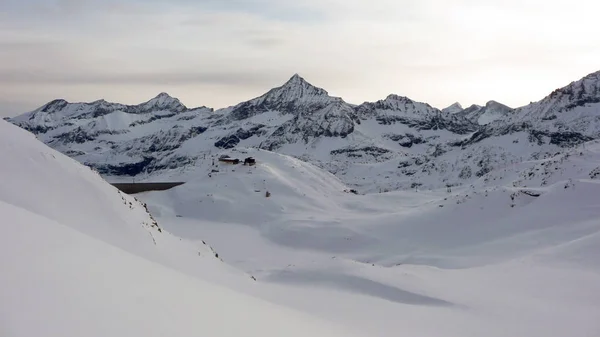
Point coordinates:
pixel 218 53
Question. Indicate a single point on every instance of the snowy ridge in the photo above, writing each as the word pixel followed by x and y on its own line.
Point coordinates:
pixel 57 188
pixel 78 255
pixel 573 108
pixel 453 108
pixel 86 285
pixel 483 115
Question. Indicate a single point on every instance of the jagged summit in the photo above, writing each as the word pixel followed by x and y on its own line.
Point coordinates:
pixel 485 114
pixel 293 97
pixel 573 108
pixel 583 91
pixel 296 88
pixel 163 94
pixel 54 113
pixel 164 97
pixel 53 105
pixel 163 101
pixel 296 78
pixel 394 97
pixel 453 108
pixel 399 103
pixel 496 104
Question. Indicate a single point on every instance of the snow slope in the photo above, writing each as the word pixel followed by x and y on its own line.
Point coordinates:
pixel 513 254
pixel 59 282
pixel 78 257
pixel 55 187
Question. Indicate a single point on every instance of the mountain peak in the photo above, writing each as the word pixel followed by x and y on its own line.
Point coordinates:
pixel 453 108
pixel 296 78
pixel 497 107
pixel 163 95
pixel 394 97
pixel 100 101
pixel 54 105
pixel 493 103
pixel 294 89
pixel 299 82
pixel 164 101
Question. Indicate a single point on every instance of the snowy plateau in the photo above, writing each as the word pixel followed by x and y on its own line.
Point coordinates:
pixel 388 218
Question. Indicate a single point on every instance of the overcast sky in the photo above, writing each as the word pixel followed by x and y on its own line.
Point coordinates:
pixel 220 52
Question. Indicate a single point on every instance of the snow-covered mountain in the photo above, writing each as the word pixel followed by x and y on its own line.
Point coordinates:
pixel 574 108
pixel 486 114
pixel 394 143
pixel 453 108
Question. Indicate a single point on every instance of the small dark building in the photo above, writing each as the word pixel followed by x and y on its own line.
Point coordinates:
pixel 249 161
pixel 229 161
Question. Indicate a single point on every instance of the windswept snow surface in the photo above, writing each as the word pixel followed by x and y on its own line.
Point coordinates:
pixel 515 254
pixel 58 282
pixel 78 258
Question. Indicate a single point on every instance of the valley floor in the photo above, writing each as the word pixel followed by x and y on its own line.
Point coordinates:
pixel 482 261
pixel 523 297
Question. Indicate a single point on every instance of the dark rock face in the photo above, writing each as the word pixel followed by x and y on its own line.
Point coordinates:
pixel 583 101
pixel 407 140
pixel 451 123
pixel 146 165
pixel 228 142
pixel 438 150
pixel 74 153
pixel 579 93
pixel 465 173
pixel 151 119
pixel 234 139
pixel 562 139
pixel 372 150
pixel 128 169
pixel 78 136
pixel 54 106
pixel 245 134
pixel 491 130
pixel 35 129
pixel 193 132
pixel 304 128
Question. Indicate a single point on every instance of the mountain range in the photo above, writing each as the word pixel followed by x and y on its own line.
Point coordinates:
pixel 394 143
